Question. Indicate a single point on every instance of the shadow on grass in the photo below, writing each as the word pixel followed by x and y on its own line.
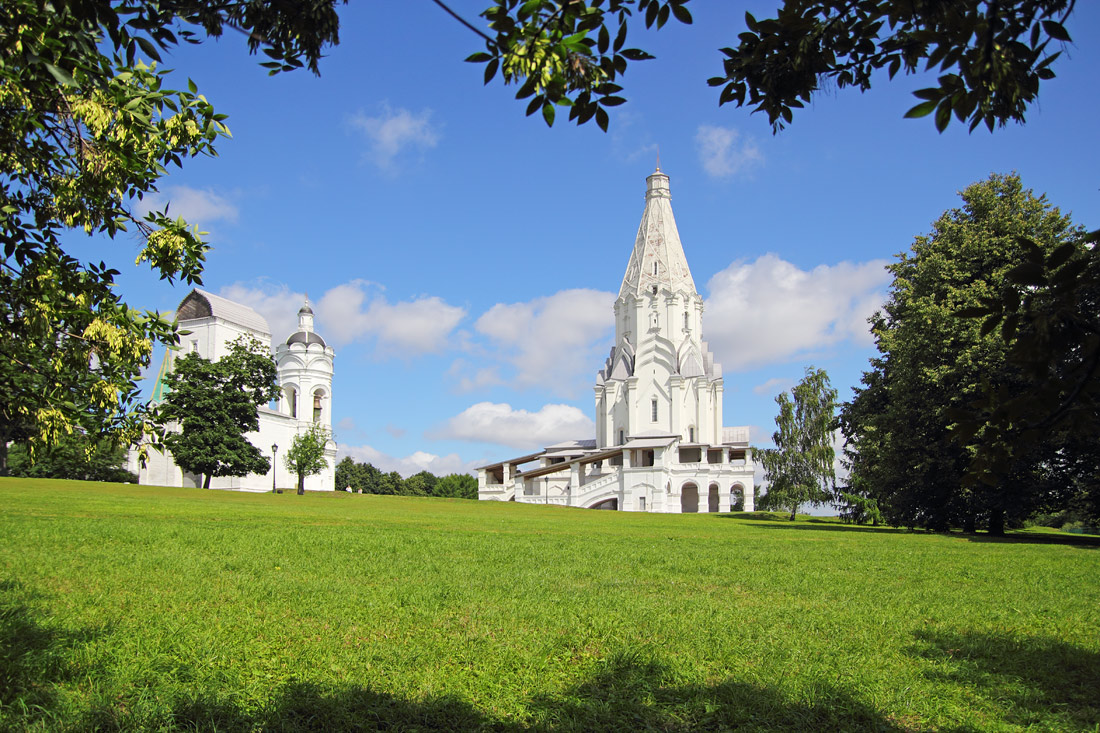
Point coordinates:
pixel 1038 682
pixel 832 525
pixel 627 692
pixel 32 658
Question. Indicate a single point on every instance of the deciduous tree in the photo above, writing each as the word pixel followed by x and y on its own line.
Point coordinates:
pixel 799 469
pixel 457 485
pixel 74 456
pixel 934 367
pixel 214 404
pixel 993 54
pixel 306 456
pixel 87 127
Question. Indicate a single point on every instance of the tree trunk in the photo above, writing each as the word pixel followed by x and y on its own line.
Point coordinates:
pixel 997 522
pixel 206 481
pixel 794 510
pixel 301 484
pixel 3 457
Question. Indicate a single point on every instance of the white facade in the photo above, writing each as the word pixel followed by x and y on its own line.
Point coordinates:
pixel 660 443
pixel 305 367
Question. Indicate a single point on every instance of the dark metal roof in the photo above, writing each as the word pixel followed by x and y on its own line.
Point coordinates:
pixel 305 337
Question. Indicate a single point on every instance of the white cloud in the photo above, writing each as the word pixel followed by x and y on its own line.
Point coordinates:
pixel 395 131
pixel 468 378
pixel 407 465
pixel 724 153
pixel 200 207
pixel 769 311
pixel 775 385
pixel 553 342
pixel 276 303
pixel 408 328
pixel 488 422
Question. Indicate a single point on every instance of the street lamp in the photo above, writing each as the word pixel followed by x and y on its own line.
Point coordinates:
pixel 274 464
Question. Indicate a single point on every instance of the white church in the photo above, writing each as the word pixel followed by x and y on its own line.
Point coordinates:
pixel 660 444
pixel 305 367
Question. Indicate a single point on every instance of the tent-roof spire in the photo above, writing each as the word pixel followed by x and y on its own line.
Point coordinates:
pixel 658 260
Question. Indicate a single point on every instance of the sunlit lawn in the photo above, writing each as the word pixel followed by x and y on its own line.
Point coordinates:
pixel 147 608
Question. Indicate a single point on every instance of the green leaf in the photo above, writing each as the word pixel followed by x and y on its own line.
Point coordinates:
pixel 61 75
pixel 491 70
pixel 921 110
pixel 478 58
pixel 548 114
pixel 681 14
pixel 1056 31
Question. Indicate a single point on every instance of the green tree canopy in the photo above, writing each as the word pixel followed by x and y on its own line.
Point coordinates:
pixel 934 366
pixel 457 485
pixel 993 54
pixel 86 130
pixel 306 456
pixel 73 456
pixel 214 404
pixel 799 470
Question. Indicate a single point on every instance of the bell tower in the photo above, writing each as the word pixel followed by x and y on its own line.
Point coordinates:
pixel 305 364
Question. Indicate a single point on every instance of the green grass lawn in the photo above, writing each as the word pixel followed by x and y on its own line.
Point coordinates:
pixel 142 608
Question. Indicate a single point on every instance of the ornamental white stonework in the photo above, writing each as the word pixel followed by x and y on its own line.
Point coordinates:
pixel 305 367
pixel 660 443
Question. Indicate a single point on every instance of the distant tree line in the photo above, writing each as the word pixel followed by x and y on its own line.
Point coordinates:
pixel 363 478
pixel 75 456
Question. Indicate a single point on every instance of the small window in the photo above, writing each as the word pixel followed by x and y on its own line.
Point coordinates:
pixel 654 268
pixel 641 503
pixel 194 346
pixel 653 405
pixel 691 435
pixel 621 441
pixel 685 320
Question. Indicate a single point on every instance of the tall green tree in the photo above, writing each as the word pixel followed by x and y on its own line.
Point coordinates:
pixel 934 366
pixel 799 470
pixel 992 54
pixel 87 128
pixel 214 404
pixel 306 456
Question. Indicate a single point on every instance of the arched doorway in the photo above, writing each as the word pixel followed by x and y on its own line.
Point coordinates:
pixel 611 504
pixel 737 498
pixel 712 498
pixel 689 499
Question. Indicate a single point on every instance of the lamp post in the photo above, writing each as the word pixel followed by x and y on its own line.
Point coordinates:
pixel 274 464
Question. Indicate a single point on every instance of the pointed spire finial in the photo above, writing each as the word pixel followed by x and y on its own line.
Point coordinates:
pixel 658 158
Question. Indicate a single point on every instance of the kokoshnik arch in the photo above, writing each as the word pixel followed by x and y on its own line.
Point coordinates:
pixel 660 444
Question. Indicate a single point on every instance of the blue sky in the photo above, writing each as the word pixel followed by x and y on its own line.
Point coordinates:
pixel 463 259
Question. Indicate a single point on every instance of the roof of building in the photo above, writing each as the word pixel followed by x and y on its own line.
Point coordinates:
pixel 201 304
pixel 305 337
pixel 657 244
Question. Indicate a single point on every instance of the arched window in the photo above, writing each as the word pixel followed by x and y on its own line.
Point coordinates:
pixel 621 436
pixel 317 406
pixel 292 401
pixel 653 410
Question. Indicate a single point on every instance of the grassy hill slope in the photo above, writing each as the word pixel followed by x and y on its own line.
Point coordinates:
pixel 132 607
